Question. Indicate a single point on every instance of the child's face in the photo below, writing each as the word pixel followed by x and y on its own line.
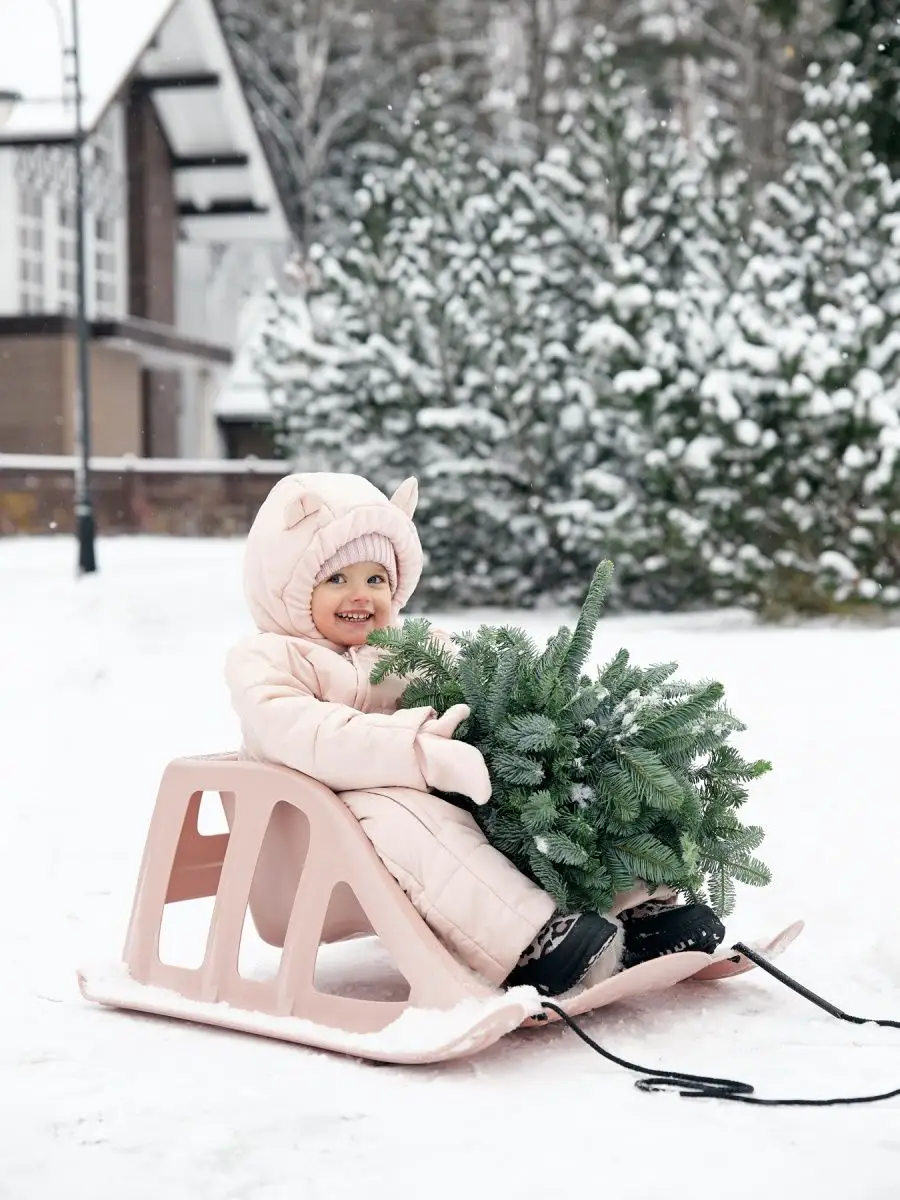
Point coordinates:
pixel 353 602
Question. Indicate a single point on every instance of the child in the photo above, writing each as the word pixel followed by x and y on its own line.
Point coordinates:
pixel 328 559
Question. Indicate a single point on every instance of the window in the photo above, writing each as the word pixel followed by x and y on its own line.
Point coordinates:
pixel 245 439
pixel 105 290
pixel 31 250
pixel 67 256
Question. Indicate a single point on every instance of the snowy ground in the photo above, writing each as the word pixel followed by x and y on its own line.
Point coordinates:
pixel 106 679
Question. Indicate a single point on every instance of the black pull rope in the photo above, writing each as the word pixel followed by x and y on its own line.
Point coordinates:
pixel 819 1001
pixel 694 1087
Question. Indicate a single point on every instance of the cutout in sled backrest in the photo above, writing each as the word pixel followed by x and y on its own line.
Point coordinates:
pixel 211 819
pixel 193 881
pixel 278 870
pixel 351 964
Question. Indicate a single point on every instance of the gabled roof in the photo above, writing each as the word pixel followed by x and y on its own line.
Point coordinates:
pixel 33 34
pixel 174 50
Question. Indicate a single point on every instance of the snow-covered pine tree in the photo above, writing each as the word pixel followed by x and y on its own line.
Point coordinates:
pixel 869 33
pixel 507 432
pixel 329 79
pixel 480 527
pixel 809 514
pixel 865 33
pixel 660 218
pixel 695 213
pixel 412 354
pixel 328 359
pixel 588 178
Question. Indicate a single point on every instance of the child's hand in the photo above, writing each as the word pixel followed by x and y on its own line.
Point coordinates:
pixel 446 725
pixel 451 766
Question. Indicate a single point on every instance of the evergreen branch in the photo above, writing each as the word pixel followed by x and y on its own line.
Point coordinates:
pixel 516 769
pixel 582 639
pixel 411 650
pixel 650 779
pixel 538 813
pixel 649 858
pixel 528 733
pixel 561 850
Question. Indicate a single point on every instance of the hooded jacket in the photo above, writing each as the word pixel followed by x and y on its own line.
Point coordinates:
pixel 308 703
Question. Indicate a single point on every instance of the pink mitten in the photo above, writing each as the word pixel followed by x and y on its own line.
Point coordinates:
pixel 452 766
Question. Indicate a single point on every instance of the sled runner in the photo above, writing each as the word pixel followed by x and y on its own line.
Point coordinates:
pixel 297 861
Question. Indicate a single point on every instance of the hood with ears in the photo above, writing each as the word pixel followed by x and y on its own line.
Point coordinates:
pixel 303 521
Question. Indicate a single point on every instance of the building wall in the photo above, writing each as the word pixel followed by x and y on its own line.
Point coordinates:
pixel 152 261
pixel 115 401
pixel 162 414
pixel 38 377
pixel 33 377
pixel 153 218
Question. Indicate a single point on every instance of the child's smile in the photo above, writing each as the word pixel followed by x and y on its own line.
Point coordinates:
pixel 352 602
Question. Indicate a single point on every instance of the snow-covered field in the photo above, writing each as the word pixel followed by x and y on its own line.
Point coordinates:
pixel 106 679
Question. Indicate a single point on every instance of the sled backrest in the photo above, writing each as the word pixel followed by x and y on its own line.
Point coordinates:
pixel 298 860
pixel 284 855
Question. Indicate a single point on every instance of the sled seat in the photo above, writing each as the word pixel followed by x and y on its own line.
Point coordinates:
pixel 298 860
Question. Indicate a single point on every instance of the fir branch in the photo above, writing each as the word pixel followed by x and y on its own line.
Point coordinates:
pixel 650 779
pixel 411 650
pixel 538 813
pixel 528 733
pixel 516 769
pixel 648 858
pixel 561 849
pixel 582 639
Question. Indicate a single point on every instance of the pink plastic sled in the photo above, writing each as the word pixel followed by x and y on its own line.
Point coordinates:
pixel 296 857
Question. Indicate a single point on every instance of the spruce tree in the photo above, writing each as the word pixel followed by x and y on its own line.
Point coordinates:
pixel 412 353
pixel 869 31
pixel 599 783
pixel 865 33
pixel 660 217
pixel 592 176
pixel 807 515
pixel 331 358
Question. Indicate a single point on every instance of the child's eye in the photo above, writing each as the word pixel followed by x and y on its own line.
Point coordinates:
pixel 377 579
pixel 336 578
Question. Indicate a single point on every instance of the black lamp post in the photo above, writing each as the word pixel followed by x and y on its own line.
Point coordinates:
pixel 84 509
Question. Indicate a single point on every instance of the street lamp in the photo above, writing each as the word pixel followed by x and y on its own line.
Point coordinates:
pixel 84 509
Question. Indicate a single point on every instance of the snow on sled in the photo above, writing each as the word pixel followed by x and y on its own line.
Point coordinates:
pixel 297 862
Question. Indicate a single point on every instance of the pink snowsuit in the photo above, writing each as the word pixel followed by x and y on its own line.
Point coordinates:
pixel 307 703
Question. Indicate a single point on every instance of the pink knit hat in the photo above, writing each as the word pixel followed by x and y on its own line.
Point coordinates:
pixel 370 547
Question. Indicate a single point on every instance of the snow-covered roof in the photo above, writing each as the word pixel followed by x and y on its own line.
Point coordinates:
pixel 33 35
pixel 176 50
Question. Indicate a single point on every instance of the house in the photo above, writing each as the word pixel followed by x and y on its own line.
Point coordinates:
pixel 183 223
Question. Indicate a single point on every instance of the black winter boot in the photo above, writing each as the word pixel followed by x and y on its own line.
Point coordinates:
pixel 564 951
pixel 654 929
